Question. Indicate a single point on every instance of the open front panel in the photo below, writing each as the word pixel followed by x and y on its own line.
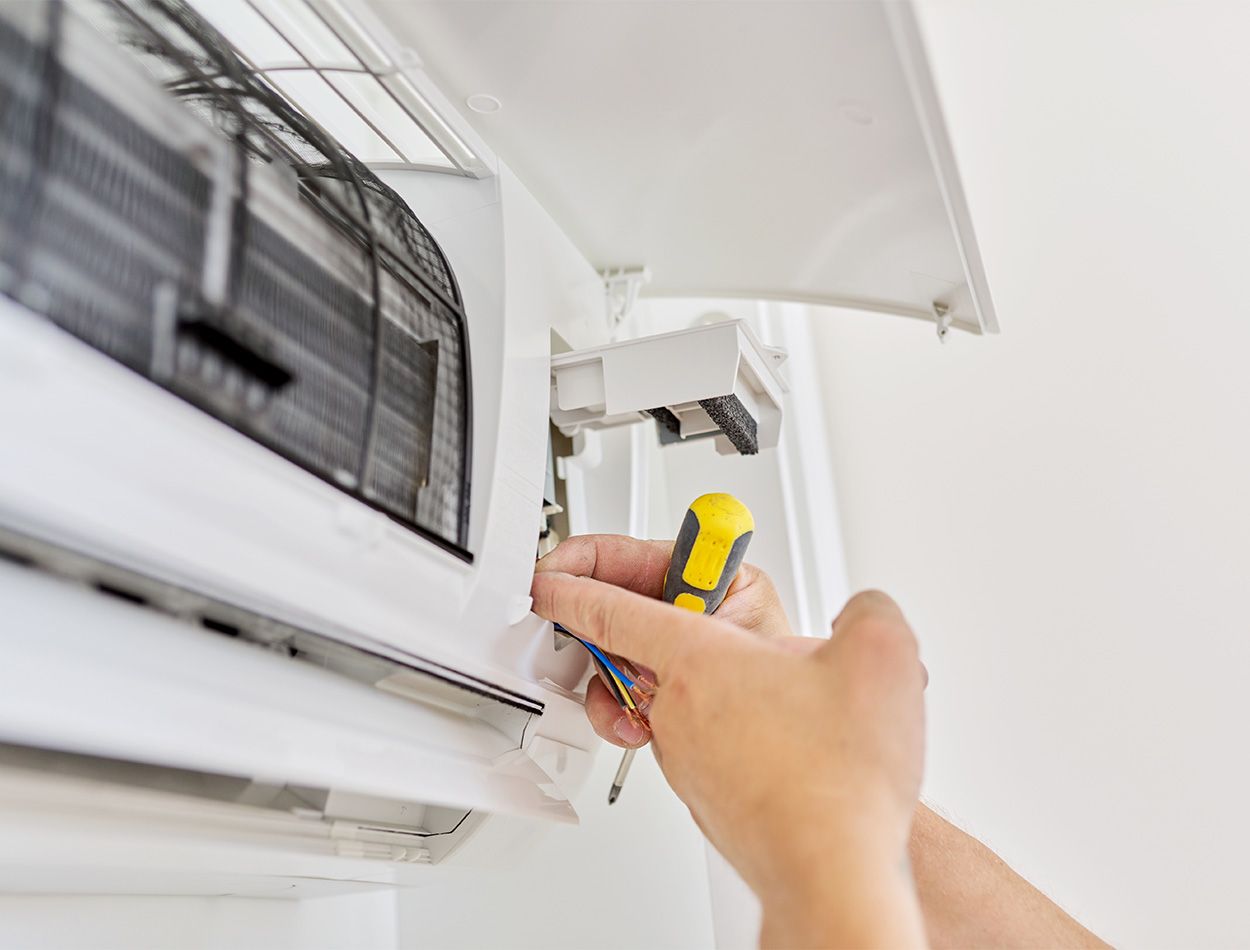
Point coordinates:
pixel 759 150
pixel 246 263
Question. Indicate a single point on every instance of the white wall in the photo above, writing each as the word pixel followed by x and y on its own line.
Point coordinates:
pixel 1063 511
pixel 594 885
pixel 639 873
pixel 630 875
pixel 364 921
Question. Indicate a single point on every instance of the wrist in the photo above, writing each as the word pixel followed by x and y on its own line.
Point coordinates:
pixel 839 884
pixel 822 835
pixel 851 900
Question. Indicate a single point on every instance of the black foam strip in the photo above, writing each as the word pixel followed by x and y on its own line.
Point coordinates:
pixel 733 419
pixel 667 419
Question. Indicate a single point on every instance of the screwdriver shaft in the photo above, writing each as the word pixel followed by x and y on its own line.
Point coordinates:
pixel 622 770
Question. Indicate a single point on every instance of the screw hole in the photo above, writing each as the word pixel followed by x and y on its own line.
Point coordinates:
pixel 121 594
pixel 220 626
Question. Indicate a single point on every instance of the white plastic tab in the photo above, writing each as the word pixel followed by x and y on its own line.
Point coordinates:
pixel 623 383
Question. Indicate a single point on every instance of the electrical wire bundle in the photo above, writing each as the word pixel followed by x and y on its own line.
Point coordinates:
pixel 631 689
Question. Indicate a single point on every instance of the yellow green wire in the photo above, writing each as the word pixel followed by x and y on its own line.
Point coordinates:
pixel 616 678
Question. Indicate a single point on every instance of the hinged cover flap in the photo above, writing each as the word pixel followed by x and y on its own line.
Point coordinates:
pixel 778 150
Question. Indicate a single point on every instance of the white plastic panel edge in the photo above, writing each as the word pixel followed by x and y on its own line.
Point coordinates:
pixel 920 80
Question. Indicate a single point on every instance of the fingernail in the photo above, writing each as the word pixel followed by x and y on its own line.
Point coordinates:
pixel 547 558
pixel 630 732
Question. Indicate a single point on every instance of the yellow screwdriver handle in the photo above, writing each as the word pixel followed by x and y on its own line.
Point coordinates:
pixel 706 556
pixel 708 551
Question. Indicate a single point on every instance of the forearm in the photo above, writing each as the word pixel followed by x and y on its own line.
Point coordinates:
pixel 880 911
pixel 971 898
pixel 840 890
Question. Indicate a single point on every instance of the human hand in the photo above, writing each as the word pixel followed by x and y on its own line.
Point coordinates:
pixel 750 603
pixel 801 763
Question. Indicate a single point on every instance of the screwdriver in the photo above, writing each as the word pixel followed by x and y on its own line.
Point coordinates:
pixel 706 556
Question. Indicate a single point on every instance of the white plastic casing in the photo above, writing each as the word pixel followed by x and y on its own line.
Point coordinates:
pixel 618 383
pixel 101 462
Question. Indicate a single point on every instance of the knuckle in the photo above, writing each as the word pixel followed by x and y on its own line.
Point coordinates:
pixel 575 544
pixel 755 602
pixel 754 577
pixel 868 606
pixel 754 616
pixel 573 555
pixel 684 664
pixel 764 580
pixel 872 601
pixel 872 634
pixel 886 639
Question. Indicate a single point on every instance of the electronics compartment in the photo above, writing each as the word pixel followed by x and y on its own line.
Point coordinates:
pixel 263 275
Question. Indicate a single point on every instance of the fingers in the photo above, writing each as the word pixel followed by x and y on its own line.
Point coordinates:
pixel 799 646
pixel 618 621
pixel 871 626
pixel 752 602
pixel 805 646
pixel 614 559
pixel 610 721
pixel 868 605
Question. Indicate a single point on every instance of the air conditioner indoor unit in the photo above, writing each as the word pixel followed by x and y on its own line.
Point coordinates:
pixel 300 364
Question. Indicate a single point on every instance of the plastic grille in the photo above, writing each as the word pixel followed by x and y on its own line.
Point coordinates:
pixel 231 251
pixel 61 210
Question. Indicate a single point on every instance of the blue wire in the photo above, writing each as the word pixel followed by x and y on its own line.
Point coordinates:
pixel 603 657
